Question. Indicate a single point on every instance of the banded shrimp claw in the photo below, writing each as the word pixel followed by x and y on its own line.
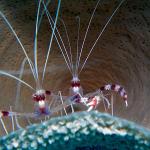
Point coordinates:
pixel 92 100
pixel 99 95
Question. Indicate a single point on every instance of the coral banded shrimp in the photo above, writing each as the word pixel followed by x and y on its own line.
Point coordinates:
pixel 41 97
pixel 75 68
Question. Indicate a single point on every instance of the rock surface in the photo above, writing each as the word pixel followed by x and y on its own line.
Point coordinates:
pixel 80 131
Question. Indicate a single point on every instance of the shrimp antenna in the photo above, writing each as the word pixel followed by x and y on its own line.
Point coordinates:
pixel 77 61
pixel 43 11
pixel 70 49
pixel 35 41
pixel 50 44
pixel 14 33
pixel 87 32
pixel 19 83
pixel 11 76
pixel 50 22
pixel 101 34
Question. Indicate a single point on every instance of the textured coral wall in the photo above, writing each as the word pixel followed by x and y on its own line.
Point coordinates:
pixel 121 56
pixel 80 131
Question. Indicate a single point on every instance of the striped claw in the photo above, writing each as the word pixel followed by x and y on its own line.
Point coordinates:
pixel 117 88
pixel 6 113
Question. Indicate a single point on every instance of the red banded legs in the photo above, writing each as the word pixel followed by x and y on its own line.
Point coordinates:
pixel 117 88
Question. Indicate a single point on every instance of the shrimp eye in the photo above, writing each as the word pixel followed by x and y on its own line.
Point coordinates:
pixel 102 88
pixel 48 92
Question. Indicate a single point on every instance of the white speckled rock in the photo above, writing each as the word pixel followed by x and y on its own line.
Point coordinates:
pixel 93 129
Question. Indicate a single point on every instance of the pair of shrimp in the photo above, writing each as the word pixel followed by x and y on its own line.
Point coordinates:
pixel 76 90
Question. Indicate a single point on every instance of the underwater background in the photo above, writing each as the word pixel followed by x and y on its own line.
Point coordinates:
pixel 121 56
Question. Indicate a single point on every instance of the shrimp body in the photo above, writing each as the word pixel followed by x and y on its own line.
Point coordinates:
pixel 75 87
pixel 41 103
pixel 91 100
pixel 41 108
